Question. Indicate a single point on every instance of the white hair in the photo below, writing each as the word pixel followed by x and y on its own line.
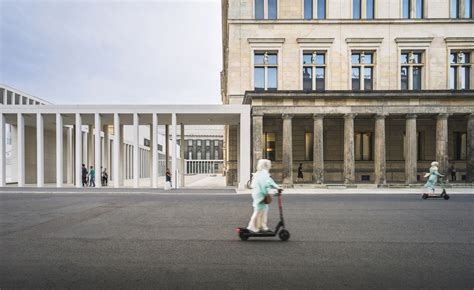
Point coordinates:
pixel 434 163
pixel 264 164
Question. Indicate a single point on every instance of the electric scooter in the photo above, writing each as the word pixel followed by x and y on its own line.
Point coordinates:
pixel 283 234
pixel 442 195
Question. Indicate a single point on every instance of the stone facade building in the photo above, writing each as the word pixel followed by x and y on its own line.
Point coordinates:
pixel 354 90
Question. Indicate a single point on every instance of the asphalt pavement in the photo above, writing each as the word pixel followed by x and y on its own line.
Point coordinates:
pixel 137 241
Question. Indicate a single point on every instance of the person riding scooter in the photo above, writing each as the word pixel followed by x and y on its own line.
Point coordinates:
pixel 261 183
pixel 433 177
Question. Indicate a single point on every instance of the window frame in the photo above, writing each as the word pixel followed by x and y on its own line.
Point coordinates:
pixel 260 45
pixel 361 148
pixel 458 66
pixel 314 66
pixel 362 65
pixel 315 10
pixel 461 13
pixel 412 9
pixel 410 66
pixel 266 10
pixel 266 67
pixel 266 147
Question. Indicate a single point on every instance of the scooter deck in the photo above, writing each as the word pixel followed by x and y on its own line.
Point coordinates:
pixel 248 233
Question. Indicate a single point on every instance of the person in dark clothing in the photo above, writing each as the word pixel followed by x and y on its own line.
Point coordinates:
pixel 84 175
pixel 168 176
pixel 300 173
pixel 105 177
pixel 453 172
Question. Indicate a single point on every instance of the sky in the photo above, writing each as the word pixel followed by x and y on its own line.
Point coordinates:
pixel 112 52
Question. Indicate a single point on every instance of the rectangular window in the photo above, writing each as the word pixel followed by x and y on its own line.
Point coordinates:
pixel 454 9
pixel 363 146
pixel 314 65
pixel 417 78
pixel 406 7
pixel 308 9
pixel 460 70
pixel 216 143
pixel 216 154
pixel 190 155
pixel 468 8
pixel 259 11
pixel 198 142
pixel 265 71
pixel 362 63
pixel 370 9
pixel 308 141
pixel 321 9
pixel 356 9
pixel 272 9
pixel 190 142
pixel 208 155
pixel 460 145
pixel 198 155
pixel 208 142
pixel 404 77
pixel 419 9
pixel 411 70
pixel 270 146
pixel 146 142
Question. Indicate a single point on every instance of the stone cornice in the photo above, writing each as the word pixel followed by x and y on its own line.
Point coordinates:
pixel 351 21
pixel 364 40
pixel 315 40
pixel 414 39
pixel 458 39
pixel 265 40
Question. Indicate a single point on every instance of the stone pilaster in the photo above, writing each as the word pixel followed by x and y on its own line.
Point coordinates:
pixel 287 150
pixel 349 162
pixel 411 149
pixel 257 137
pixel 379 152
pixel 442 142
pixel 470 149
pixel 318 152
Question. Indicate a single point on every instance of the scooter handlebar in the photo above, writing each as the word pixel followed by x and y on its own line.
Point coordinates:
pixel 280 190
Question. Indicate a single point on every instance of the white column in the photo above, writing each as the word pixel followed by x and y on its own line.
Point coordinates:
pixel 21 149
pixel 90 147
pixel 116 161
pixel 70 157
pixel 136 143
pixel 106 149
pixel 181 147
pixel 78 148
pixel 173 150
pixel 122 159
pixel 245 154
pixel 59 150
pixel 3 145
pixel 97 150
pixel 39 150
pixel 154 151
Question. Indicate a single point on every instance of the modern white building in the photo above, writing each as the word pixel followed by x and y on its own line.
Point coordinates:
pixel 47 144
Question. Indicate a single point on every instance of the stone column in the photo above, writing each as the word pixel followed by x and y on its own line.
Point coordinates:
pixel 257 134
pixel 154 151
pixel 136 144
pixel 59 150
pixel 106 151
pixel 349 162
pixel 442 142
pixel 411 149
pixel 3 146
pixel 287 151
pixel 318 149
pixel 21 150
pixel 78 149
pixel 40 150
pixel 90 147
pixel 97 150
pixel 167 147
pixel 181 149
pixel 379 152
pixel 470 149
pixel 122 160
pixel 174 165
pixel 244 149
pixel 70 154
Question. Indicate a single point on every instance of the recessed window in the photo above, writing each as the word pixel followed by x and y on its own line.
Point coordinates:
pixel 460 70
pixel 321 9
pixel 208 155
pixel 208 142
pixel 272 9
pixel 198 142
pixel 411 70
pixel 362 73
pixel 198 155
pixel 363 146
pixel 265 71
pixel 314 70
pixel 216 154
pixel 270 146
pixel 190 142
pixel 412 11
pixel 370 9
pixel 461 8
pixel 308 9
pixel 356 9
pixel 259 9
pixel 308 141
pixel 460 145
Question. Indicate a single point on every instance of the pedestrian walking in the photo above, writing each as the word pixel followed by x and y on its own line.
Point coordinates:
pixel 300 177
pixel 105 177
pixel 452 169
pixel 92 177
pixel 261 184
pixel 433 177
pixel 168 177
pixel 84 175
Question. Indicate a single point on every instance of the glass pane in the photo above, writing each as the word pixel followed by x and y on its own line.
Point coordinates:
pixel 417 78
pixel 272 78
pixel 406 9
pixel 307 58
pixel 320 79
pixel 366 146
pixel 454 9
pixel 358 146
pixel 308 9
pixel 404 58
pixel 308 146
pixel 259 78
pixel 258 59
pixel 356 9
pixel 370 9
pixel 467 9
pixel 404 78
pixel 467 57
pixel 462 58
pixel 272 58
pixel 272 9
pixel 259 9
pixel 453 79
pixel 355 78
pixel 464 75
pixel 320 59
pixel 453 58
pixel 417 58
pixel 270 145
pixel 419 9
pixel 355 58
pixel 368 58
pixel 321 9
pixel 368 79
pixel 307 78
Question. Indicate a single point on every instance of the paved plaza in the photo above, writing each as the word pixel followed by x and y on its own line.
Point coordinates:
pixel 122 240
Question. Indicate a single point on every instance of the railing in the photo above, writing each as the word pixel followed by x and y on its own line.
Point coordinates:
pixel 204 166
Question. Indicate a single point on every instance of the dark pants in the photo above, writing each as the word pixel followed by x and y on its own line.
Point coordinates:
pixel 453 176
pixel 84 181
pixel 92 181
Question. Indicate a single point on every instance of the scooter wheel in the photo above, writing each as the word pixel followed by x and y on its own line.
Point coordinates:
pixel 424 196
pixel 284 235
pixel 243 237
pixel 446 197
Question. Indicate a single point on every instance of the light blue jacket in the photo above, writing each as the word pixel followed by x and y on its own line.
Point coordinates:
pixel 261 183
pixel 433 179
